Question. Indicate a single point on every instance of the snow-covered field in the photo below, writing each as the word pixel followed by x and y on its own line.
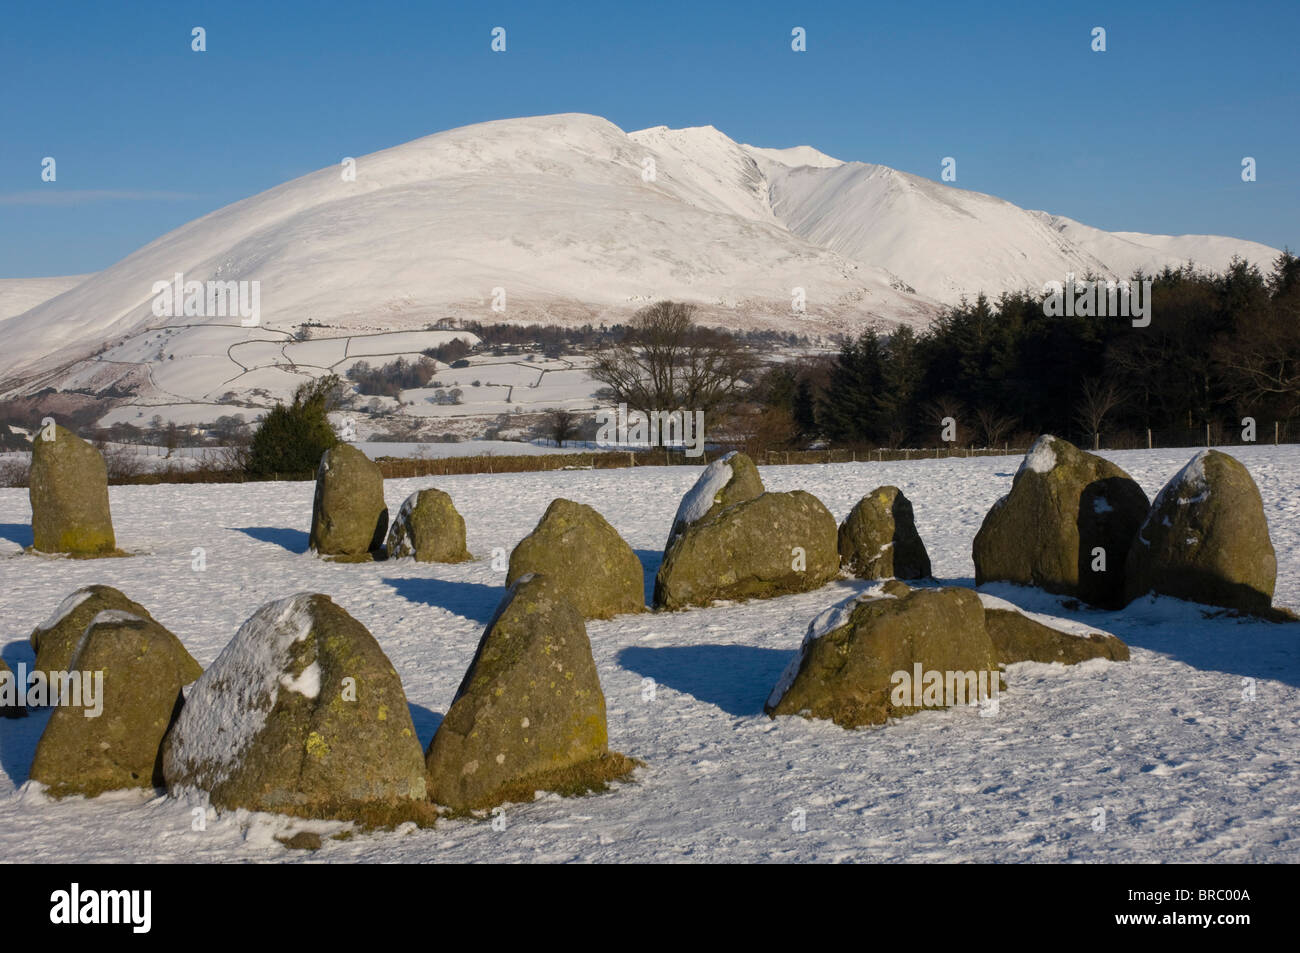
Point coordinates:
pixel 1185 767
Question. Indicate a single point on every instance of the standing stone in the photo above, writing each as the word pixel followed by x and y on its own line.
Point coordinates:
pixel 529 713
pixel 849 666
pixel 69 495
pixel 585 557
pixel 731 478
pixel 130 671
pixel 10 691
pixel 1206 539
pixel 771 545
pixel 879 538
pixel 56 639
pixel 349 516
pixel 302 713
pixel 428 528
pixel 1066 526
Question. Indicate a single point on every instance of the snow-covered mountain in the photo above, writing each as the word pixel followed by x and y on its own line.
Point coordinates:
pixel 576 221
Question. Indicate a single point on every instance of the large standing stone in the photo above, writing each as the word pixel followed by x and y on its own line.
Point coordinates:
pixel 1067 512
pixel 529 713
pixel 302 713
pixel 585 557
pixel 768 546
pixel 857 658
pixel 56 639
pixel 68 487
pixel 10 692
pixel 130 671
pixel 1206 539
pixel 878 539
pixel 428 528
pixel 349 516
pixel 732 478
pixel 1018 638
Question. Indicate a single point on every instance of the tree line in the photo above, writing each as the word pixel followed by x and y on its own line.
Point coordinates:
pixel 1219 348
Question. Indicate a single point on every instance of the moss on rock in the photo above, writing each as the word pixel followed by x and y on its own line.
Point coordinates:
pixel 68 488
pixel 773 544
pixel 56 639
pixel 1065 507
pixel 845 670
pixel 1206 539
pixel 732 478
pixel 878 539
pixel 302 713
pixel 1019 638
pixel 577 549
pixel 529 712
pixel 349 517
pixel 429 529
pixel 143 667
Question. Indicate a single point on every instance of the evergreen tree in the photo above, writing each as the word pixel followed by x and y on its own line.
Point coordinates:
pixel 291 439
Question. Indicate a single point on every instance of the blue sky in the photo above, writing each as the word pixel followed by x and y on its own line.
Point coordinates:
pixel 1148 136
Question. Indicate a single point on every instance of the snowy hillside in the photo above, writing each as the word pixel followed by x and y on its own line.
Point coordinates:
pixel 22 294
pixel 564 219
pixel 1185 767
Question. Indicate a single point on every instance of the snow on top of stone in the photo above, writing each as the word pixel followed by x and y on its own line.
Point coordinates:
pixel 404 513
pixel 1189 486
pixel 64 609
pixel 1067 626
pixel 702 495
pixel 307 683
pixel 1192 481
pixel 229 704
pixel 109 616
pixel 106 617
pixel 1041 458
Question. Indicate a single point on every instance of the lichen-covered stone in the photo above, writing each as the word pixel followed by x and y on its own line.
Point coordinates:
pixel 1019 638
pixel 1206 539
pixel 1067 512
pixel 845 671
pixel 68 488
pixel 143 667
pixel 584 556
pixel 428 529
pixel 530 706
pixel 732 478
pixel 773 544
pixel 302 713
pixel 878 539
pixel 56 639
pixel 349 517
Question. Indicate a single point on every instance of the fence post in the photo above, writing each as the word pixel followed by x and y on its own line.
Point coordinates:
pixel 1275 433
pixel 1148 438
pixel 1207 433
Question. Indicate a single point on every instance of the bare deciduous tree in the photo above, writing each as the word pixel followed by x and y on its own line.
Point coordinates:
pixel 666 362
pixel 993 426
pixel 563 425
pixel 1097 399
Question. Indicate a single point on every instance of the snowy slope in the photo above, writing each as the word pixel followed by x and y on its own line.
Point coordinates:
pixel 562 213
pixel 552 209
pixel 22 294
pixel 1126 252
pixel 1186 768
